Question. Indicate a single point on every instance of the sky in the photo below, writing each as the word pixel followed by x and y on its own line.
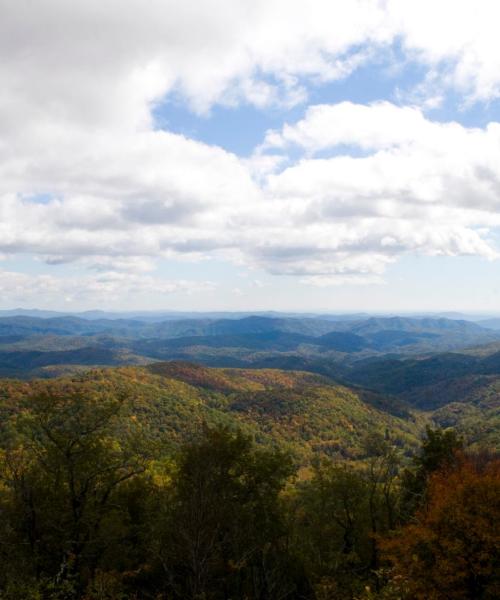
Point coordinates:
pixel 319 155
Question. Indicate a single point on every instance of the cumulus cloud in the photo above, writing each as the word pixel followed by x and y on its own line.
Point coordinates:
pixel 85 176
pixel 457 40
pixel 417 186
pixel 106 289
pixel 392 182
pixel 106 63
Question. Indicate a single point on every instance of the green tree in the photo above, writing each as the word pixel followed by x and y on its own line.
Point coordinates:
pixel 383 462
pixel 62 474
pixel 338 515
pixel 222 531
pixel 439 450
pixel 331 528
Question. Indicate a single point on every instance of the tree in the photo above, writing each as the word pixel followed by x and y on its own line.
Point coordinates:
pixel 331 529
pixel 439 450
pixel 62 474
pixel 340 512
pixel 452 549
pixel 221 526
pixel 383 467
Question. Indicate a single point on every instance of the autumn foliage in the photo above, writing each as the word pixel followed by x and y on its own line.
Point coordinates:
pixel 452 549
pixel 127 485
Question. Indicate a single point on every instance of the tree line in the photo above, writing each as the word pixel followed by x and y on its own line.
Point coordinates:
pixel 93 507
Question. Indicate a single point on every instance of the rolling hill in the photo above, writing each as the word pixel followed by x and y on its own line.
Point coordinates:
pixel 413 378
pixel 303 412
pixel 307 413
pixel 443 370
pixel 33 346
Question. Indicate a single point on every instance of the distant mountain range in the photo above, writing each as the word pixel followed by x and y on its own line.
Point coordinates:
pixel 157 316
pixel 449 367
pixel 29 345
pixel 167 315
pixel 314 326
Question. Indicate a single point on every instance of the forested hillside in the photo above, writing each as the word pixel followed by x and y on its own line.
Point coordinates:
pixel 181 482
pixel 305 413
pixel 307 465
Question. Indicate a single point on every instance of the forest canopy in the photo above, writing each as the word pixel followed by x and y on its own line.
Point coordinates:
pixel 95 504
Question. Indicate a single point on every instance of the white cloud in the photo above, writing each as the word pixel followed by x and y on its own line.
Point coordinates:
pixel 105 64
pixel 379 126
pixel 457 40
pixel 417 187
pixel 80 81
pixel 106 289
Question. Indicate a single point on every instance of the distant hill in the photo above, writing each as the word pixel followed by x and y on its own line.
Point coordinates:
pixel 33 363
pixel 343 341
pixel 24 325
pixel 490 323
pixel 252 341
pixel 428 382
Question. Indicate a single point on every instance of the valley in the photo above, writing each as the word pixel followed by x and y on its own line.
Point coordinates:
pixel 314 385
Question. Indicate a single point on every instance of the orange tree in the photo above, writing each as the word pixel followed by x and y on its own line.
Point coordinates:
pixel 452 549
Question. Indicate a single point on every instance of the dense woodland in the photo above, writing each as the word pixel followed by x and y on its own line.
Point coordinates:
pixel 128 484
pixel 410 368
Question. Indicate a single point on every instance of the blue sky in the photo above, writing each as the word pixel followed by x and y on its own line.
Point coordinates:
pixel 240 129
pixel 322 156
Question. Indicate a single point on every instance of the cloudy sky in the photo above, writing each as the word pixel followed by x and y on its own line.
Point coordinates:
pixel 250 154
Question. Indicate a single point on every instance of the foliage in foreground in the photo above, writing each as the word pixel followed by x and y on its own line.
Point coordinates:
pixel 452 547
pixel 95 506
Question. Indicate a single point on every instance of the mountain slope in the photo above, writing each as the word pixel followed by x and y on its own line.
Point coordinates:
pixel 428 382
pixel 303 412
